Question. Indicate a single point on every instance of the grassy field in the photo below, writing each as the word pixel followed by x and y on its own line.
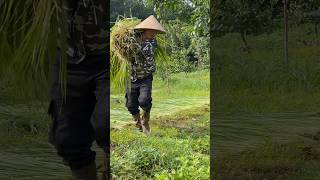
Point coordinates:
pixel 266 146
pixel 184 91
pixel 259 81
pixel 178 147
pixel 266 118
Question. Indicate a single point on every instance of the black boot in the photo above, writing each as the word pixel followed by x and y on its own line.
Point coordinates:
pixel 88 172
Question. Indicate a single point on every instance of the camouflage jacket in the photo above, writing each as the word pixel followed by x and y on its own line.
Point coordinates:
pixel 144 63
pixel 87 23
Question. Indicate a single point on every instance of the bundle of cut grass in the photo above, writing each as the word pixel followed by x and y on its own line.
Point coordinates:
pixel 123 47
pixel 123 42
pixel 28 42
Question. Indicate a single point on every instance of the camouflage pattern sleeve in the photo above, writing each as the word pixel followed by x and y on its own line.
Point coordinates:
pixel 88 28
pixel 93 16
pixel 149 48
pixel 144 64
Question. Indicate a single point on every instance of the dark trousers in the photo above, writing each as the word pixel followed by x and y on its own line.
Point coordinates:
pixel 83 115
pixel 139 95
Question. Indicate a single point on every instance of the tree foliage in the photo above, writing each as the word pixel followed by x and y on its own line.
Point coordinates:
pixel 129 8
pixel 187 27
pixel 254 17
pixel 246 17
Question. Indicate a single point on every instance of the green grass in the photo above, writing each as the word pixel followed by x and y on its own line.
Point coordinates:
pixel 26 155
pixel 178 147
pixel 239 131
pixel 24 149
pixel 184 91
pixel 266 115
pixel 257 101
pixel 266 145
pixel 271 160
pixel 259 81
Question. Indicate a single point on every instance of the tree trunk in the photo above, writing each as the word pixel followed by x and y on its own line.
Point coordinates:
pixel 245 43
pixel 285 14
pixel 316 32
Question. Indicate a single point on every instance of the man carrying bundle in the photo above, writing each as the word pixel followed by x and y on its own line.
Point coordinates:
pixel 80 112
pixel 143 67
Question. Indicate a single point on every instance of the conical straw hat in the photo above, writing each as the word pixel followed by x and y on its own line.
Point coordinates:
pixel 151 23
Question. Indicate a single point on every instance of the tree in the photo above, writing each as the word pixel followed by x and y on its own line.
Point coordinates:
pixel 171 10
pixel 136 8
pixel 246 17
pixel 193 17
pixel 314 18
pixel 285 20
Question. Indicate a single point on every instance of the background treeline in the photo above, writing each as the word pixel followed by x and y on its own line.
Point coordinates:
pixel 28 41
pixel 29 38
pixel 248 54
pixel 265 106
pixel 186 23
